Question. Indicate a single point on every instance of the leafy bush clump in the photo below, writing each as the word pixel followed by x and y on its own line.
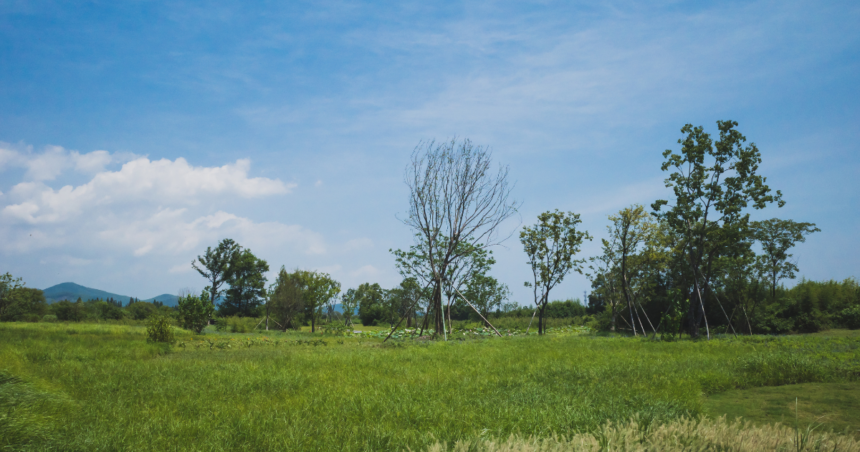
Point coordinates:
pixel 194 312
pixel 159 328
pixel 236 324
pixel 850 318
pixel 50 318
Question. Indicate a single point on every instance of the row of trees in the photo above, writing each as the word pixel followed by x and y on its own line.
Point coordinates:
pixel 688 263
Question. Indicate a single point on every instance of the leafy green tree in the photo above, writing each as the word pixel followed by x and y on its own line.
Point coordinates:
pixel 318 289
pixel 216 265
pixel 139 310
pixel 195 311
pixel 348 303
pixel 551 245
pixel 67 311
pixel 713 184
pixel 286 300
pixel 9 285
pixel 28 305
pixel 486 293
pixel 631 229
pixel 246 276
pixel 777 237
pixel 404 299
pixel 372 300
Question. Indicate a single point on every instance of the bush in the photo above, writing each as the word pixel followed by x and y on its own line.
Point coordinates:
pixel 159 329
pixel 50 318
pixel 849 318
pixel 194 312
pixel 236 324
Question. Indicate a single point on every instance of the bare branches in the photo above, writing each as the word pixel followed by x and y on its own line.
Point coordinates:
pixel 455 198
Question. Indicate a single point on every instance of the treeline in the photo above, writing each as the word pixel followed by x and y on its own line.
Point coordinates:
pixel 24 304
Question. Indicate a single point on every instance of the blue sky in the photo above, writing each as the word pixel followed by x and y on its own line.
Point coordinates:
pixel 135 134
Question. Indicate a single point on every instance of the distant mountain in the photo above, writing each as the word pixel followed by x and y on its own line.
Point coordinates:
pixel 71 291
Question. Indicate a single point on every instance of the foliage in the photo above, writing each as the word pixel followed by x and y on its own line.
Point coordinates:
pixel 9 286
pixel 849 318
pixel 286 301
pixel 159 328
pixel 236 324
pixel 65 310
pixel 713 184
pixel 348 303
pixel 551 245
pixel 216 266
pixel 141 310
pixel 245 274
pixel 777 237
pixel 372 305
pixel 194 311
pixel 318 289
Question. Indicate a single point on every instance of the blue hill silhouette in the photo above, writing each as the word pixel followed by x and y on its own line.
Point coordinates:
pixel 72 291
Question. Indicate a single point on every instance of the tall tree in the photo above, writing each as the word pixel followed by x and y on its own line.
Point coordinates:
pixel 455 197
pixel 486 293
pixel 348 303
pixel 372 304
pixel 215 265
pixel 631 228
pixel 405 299
pixel 551 245
pixel 713 183
pixel 318 289
pixel 286 303
pixel 9 287
pixel 246 276
pixel 777 237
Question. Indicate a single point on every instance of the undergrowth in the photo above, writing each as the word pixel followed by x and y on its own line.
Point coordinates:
pixel 297 391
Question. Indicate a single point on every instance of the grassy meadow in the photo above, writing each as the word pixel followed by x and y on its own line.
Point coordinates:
pixel 103 387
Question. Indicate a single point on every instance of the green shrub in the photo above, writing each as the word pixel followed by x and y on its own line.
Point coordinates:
pixel 194 312
pixel 236 324
pixel 50 318
pixel 159 329
pixel 849 318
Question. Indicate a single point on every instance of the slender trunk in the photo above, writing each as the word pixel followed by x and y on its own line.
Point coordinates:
pixel 438 311
pixel 540 320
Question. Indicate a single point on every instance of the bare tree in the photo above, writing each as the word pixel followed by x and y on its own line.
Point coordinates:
pixel 455 197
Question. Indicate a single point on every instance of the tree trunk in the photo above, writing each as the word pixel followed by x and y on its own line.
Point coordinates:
pixel 438 311
pixel 540 320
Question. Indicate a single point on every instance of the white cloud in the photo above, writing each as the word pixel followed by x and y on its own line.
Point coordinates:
pixel 160 182
pixel 93 162
pixel 157 215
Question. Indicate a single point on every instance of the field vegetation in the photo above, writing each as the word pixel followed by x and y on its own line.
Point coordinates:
pixel 90 386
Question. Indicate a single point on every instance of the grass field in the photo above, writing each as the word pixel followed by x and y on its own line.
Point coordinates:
pixel 102 387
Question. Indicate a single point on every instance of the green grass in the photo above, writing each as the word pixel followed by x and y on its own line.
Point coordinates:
pixel 112 390
pixel 835 406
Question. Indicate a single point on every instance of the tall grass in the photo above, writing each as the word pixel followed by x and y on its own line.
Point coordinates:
pixel 359 394
pixel 681 435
